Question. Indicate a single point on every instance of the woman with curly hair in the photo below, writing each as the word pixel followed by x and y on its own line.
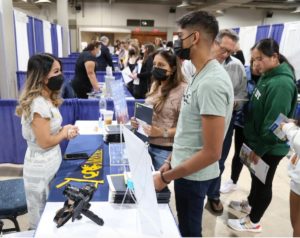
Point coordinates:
pixel 41 128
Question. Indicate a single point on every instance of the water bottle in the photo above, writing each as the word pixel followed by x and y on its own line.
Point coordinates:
pixel 102 108
pixel 108 78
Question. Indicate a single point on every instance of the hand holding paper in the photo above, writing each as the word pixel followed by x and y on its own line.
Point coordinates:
pixel 259 168
pixel 276 127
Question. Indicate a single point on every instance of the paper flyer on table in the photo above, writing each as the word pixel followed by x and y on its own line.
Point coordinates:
pixel 260 170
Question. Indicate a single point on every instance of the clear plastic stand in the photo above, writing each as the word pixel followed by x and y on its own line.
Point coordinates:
pixel 140 185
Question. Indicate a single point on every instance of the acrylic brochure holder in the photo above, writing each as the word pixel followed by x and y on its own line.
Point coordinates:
pixel 142 184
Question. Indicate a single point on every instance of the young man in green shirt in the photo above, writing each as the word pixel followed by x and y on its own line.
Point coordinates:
pixel 203 121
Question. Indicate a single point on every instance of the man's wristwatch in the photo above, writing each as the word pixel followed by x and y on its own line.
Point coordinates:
pixel 165 133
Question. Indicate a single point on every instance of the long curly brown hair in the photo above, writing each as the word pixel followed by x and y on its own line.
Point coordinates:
pixel 173 81
pixel 38 68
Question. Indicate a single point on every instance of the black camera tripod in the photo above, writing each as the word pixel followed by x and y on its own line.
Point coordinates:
pixel 77 204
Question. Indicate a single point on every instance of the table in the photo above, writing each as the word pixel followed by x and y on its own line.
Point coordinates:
pixel 117 222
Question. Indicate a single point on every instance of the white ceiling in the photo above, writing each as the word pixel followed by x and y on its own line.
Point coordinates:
pixel 208 5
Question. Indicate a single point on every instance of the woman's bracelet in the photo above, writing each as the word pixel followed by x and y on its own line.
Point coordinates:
pixel 163 179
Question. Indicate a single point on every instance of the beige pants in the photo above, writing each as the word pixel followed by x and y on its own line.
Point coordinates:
pixel 39 170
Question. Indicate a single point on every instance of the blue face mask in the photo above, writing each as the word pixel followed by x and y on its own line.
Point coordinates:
pixel 182 53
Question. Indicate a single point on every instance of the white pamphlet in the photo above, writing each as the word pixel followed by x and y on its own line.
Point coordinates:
pixel 140 128
pixel 260 170
pixel 125 74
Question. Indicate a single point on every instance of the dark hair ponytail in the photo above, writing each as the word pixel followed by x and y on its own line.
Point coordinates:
pixel 269 47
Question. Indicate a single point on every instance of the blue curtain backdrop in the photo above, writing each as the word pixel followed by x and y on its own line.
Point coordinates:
pixel 39 36
pixel 262 32
pixel 54 39
pixel 237 30
pixel 12 144
pixel 276 32
pixel 30 36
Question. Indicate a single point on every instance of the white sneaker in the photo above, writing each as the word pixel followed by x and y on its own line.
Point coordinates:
pixel 228 187
pixel 242 206
pixel 244 224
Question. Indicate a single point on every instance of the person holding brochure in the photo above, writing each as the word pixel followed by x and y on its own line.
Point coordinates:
pixel 165 97
pixel 275 93
pixel 292 132
pixel 143 76
pixel 41 128
pixel 236 165
pixel 223 46
pixel 204 118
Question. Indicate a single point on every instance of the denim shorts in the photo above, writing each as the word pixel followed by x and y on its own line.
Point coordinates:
pixel 158 156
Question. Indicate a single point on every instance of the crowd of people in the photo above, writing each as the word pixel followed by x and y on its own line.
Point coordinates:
pixel 201 94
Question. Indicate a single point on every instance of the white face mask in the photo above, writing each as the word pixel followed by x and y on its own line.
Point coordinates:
pixel 98 54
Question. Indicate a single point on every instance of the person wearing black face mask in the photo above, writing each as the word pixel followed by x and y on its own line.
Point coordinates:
pixel 165 97
pixel 41 128
pixel 204 118
pixel 55 82
pixel 160 74
pixel 132 63
pixel 182 53
pixel 144 76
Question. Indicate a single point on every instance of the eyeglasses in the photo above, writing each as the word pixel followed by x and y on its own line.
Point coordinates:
pixel 224 49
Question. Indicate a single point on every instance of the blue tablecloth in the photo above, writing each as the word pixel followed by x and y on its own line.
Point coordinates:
pixel 73 169
pixel 12 144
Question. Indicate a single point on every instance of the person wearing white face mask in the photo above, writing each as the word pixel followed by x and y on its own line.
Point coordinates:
pixel 85 79
pixel 105 58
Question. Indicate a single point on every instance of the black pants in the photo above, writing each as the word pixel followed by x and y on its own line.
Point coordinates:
pixel 237 165
pixel 261 194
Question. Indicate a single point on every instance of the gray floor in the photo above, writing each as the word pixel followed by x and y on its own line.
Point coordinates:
pixel 275 222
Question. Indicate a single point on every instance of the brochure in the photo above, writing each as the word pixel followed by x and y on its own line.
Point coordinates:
pixel 125 74
pixel 143 114
pixel 260 170
pixel 276 129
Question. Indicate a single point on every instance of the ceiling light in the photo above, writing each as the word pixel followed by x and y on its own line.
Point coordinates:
pixel 185 3
pixel 42 2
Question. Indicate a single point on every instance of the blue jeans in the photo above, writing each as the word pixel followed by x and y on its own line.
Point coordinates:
pixel 158 156
pixel 189 196
pixel 214 190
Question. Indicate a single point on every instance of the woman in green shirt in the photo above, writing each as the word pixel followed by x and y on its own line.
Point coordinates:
pixel 275 93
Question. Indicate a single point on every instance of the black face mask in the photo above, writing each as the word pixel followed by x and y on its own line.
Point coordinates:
pixel 159 74
pixel 182 53
pixel 55 82
pixel 131 52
